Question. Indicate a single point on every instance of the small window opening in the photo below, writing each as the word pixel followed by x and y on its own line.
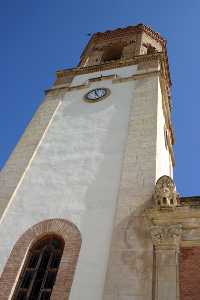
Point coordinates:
pixel 112 53
pixel 39 275
pixel 164 201
pixel 151 49
pixel 171 201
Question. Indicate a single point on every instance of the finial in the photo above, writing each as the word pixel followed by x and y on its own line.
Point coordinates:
pixel 165 194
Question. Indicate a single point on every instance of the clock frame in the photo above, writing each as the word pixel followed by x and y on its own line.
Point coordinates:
pixel 96 95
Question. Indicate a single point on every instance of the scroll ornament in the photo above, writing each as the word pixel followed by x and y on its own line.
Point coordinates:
pixel 166 234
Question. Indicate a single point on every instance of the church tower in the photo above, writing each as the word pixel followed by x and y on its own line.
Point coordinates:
pixel 75 191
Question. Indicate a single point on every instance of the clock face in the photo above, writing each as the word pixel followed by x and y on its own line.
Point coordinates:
pixel 97 94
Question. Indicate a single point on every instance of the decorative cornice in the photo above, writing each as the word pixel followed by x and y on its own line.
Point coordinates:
pixel 186 215
pixel 117 64
pixel 126 31
pixel 114 78
pixel 167 235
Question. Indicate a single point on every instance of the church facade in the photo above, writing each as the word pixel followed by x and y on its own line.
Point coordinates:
pixel 88 206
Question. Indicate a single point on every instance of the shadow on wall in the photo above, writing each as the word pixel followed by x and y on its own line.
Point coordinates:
pixel 131 267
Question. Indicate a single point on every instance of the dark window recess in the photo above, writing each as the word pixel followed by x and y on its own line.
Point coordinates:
pixel 22 295
pixel 51 276
pixel 112 53
pixel 164 200
pixel 45 296
pixel 28 275
pixel 33 260
pixel 39 275
pixel 55 261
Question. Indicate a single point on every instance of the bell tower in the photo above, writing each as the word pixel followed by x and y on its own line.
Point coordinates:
pixel 84 172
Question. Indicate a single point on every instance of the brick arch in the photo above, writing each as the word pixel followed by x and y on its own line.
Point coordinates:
pixel 72 239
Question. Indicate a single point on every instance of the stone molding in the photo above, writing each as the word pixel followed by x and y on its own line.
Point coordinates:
pixel 114 78
pixel 72 239
pixel 111 65
pixel 186 215
pixel 166 235
pixel 130 29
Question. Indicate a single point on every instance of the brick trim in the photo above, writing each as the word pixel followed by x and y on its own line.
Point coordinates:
pixel 72 238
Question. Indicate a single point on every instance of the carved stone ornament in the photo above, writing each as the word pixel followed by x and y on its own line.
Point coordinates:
pixel 166 234
pixel 165 194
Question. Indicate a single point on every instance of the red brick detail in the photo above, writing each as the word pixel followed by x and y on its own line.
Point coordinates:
pixel 72 238
pixel 190 273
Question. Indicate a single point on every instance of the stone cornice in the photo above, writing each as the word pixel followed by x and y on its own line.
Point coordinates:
pixel 120 63
pixel 110 64
pixel 114 78
pixel 121 32
pixel 187 216
pixel 116 33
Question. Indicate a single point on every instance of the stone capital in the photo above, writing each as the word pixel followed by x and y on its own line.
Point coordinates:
pixel 166 236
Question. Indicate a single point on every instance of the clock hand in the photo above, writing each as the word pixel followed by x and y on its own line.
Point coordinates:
pixel 93 95
pixel 96 93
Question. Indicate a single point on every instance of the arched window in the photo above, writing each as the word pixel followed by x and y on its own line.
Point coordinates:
pixel 39 273
pixel 38 238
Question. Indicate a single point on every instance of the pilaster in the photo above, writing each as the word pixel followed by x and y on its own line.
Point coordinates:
pixel 166 241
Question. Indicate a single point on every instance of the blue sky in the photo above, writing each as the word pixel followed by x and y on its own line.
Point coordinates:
pixel 40 37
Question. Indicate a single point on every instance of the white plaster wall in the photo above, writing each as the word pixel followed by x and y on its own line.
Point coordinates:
pixel 121 72
pixel 75 175
pixel 163 161
pixel 97 166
